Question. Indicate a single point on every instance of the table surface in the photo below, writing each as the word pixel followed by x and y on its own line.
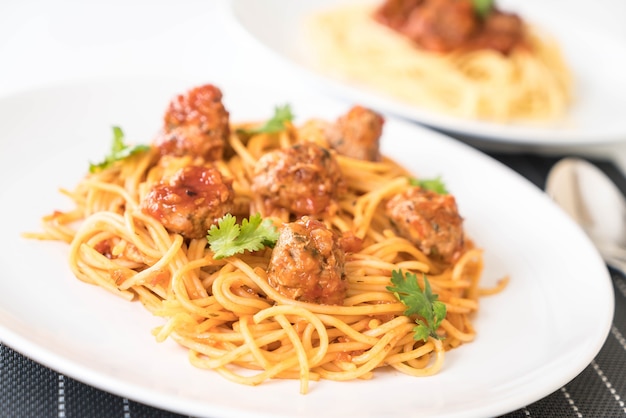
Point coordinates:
pixel 48 42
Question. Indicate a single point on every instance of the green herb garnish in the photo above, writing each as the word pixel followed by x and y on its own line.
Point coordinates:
pixel 483 7
pixel 228 238
pixel 119 151
pixel 436 185
pixel 424 304
pixel 278 122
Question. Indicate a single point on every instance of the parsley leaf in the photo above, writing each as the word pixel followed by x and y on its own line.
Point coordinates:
pixel 282 115
pixel 483 7
pixel 119 151
pixel 436 185
pixel 424 304
pixel 229 238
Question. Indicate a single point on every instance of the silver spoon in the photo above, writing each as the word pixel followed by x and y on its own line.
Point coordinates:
pixel 595 203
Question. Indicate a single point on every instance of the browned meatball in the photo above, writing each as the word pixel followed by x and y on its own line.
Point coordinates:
pixel 430 220
pixel 441 25
pixel 307 263
pixel 357 134
pixel 393 13
pixel 305 179
pixel 191 201
pixel 196 124
pixel 448 25
pixel 501 32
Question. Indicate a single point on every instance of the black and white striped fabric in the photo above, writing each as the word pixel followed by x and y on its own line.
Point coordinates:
pixel 28 389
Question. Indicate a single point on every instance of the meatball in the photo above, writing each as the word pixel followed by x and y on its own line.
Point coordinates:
pixel 304 179
pixel 430 220
pixel 441 25
pixel 196 124
pixel 393 13
pixel 307 263
pixel 357 134
pixel 501 32
pixel 448 25
pixel 190 201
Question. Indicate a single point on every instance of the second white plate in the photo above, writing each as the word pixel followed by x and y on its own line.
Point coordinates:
pixel 597 58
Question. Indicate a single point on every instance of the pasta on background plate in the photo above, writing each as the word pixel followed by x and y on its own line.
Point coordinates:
pixel 465 58
pixel 276 250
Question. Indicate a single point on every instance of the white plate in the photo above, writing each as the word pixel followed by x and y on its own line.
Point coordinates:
pixel 596 55
pixel 537 335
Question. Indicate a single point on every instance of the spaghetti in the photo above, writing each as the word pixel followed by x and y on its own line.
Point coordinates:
pixel 225 311
pixel 530 83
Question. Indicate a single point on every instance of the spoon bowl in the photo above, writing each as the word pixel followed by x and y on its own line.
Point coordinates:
pixel 595 203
